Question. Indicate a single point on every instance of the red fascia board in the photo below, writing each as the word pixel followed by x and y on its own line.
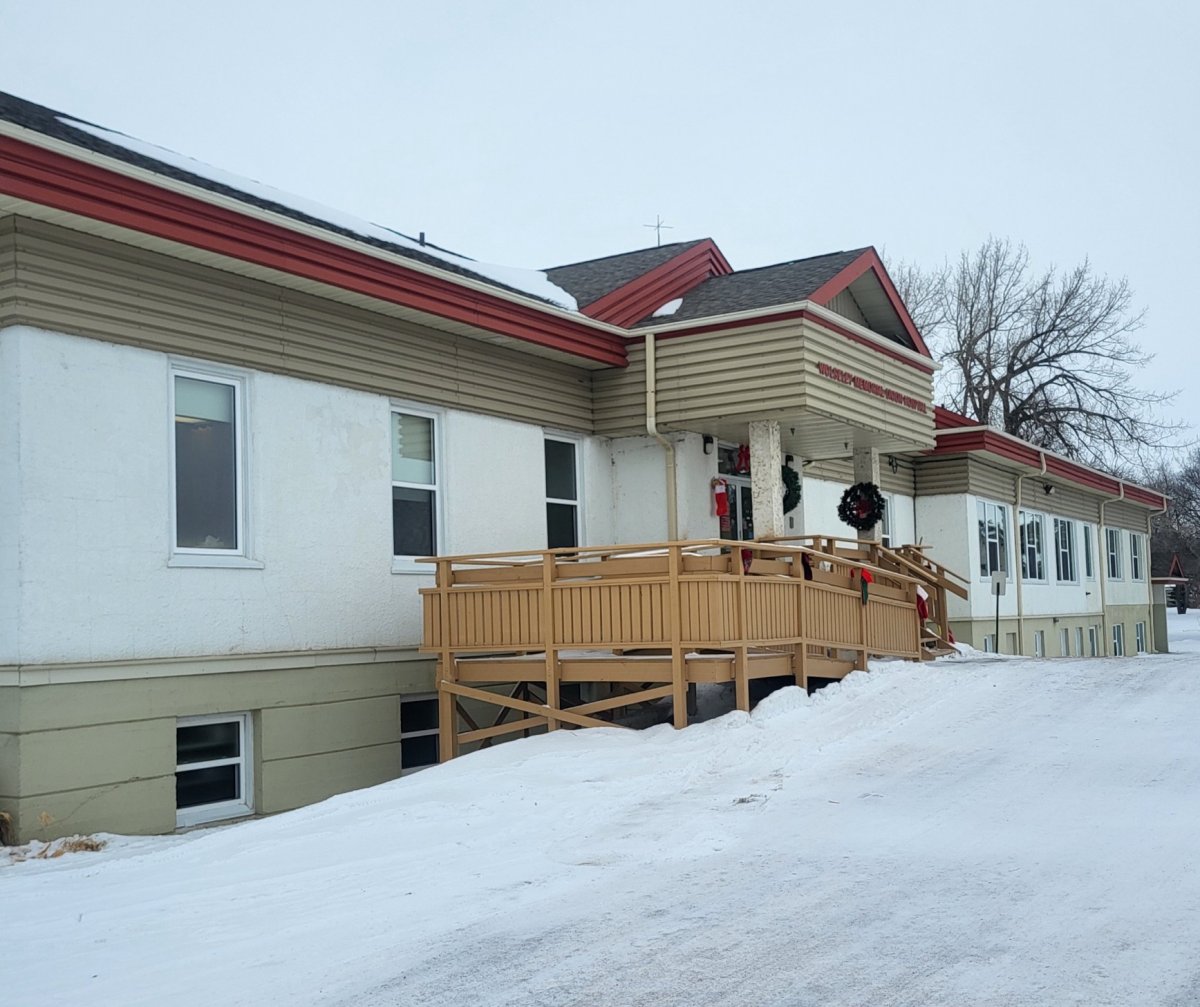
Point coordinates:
pixel 63 183
pixel 637 298
pixel 1003 446
pixel 870 260
pixel 797 314
pixel 945 419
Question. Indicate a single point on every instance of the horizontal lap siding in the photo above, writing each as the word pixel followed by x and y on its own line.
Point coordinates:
pixel 83 285
pixel 1065 501
pixel 1119 514
pixel 841 470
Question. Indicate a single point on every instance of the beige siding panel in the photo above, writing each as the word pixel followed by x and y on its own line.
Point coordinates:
pixel 989 481
pixel 8 268
pixel 935 476
pixel 834 470
pixel 293 731
pixel 1065 501
pixel 83 757
pixel 10 762
pixel 143 807
pixel 90 286
pixel 291 783
pixel 1120 514
pixel 841 470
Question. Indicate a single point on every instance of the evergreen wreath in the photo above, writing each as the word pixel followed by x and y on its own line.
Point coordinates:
pixel 862 506
pixel 791 489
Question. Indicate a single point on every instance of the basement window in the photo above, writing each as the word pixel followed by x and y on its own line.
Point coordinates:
pixel 212 768
pixel 1118 631
pixel 1139 633
pixel 418 733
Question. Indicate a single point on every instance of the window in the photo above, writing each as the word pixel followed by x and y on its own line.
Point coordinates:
pixel 1113 538
pixel 1079 641
pixel 1139 636
pixel 1064 551
pixel 212 768
pixel 1118 640
pixel 1039 643
pixel 418 733
pixel 989 644
pixel 885 525
pixel 1089 568
pixel 1064 642
pixel 993 538
pixel 415 522
pixel 208 485
pixel 562 493
pixel 1093 641
pixel 1033 552
pixel 1135 556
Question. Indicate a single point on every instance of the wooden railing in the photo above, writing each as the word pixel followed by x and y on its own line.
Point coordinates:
pixel 643 614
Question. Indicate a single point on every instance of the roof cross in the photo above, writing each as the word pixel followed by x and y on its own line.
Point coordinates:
pixel 659 227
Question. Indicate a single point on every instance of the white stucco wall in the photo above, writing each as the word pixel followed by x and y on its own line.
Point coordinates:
pixel 819 503
pixel 9 494
pixel 948 525
pixel 94 511
pixel 639 489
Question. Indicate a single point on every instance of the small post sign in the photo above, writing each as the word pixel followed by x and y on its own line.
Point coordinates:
pixel 999 584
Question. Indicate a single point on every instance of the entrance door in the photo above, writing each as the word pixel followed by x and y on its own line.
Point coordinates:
pixel 741 510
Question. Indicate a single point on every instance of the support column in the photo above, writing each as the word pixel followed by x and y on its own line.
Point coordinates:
pixel 866 470
pixel 766 484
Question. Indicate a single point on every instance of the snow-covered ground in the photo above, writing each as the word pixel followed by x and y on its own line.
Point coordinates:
pixel 972 832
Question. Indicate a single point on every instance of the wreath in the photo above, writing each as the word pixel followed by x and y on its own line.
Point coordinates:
pixel 862 506
pixel 791 489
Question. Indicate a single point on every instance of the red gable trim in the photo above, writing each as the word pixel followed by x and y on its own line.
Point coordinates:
pixel 56 180
pixel 944 419
pixel 796 314
pixel 870 260
pixel 1004 446
pixel 675 277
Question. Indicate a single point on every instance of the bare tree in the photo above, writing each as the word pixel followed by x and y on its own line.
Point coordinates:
pixel 1048 357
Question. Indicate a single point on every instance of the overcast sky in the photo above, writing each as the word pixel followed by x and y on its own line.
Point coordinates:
pixel 538 133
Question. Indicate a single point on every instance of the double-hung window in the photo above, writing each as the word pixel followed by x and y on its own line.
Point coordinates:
pixel 1112 537
pixel 1089 569
pixel 208 479
pixel 993 538
pixel 1033 549
pixel 1139 635
pixel 213 768
pixel 1118 634
pixel 415 524
pixel 1064 550
pixel 1135 556
pixel 562 493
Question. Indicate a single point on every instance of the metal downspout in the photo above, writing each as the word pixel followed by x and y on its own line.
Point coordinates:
pixel 652 430
pixel 1021 560
pixel 1102 533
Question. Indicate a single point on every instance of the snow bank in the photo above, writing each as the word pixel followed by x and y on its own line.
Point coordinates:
pixel 966 832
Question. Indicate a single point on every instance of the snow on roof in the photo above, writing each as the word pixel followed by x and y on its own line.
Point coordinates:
pixel 668 309
pixel 533 282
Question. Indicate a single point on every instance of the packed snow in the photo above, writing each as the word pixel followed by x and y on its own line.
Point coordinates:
pixel 668 309
pixel 973 831
pixel 528 281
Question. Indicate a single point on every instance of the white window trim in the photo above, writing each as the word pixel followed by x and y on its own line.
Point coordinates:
pixel 1093 642
pixel 1115 535
pixel 1079 641
pixel 1039 643
pixel 1139 637
pixel 580 511
pixel 242 557
pixel 1137 571
pixel 885 523
pixel 202 813
pixel 1002 553
pixel 1038 518
pixel 409 564
pixel 1072 552
pixel 428 732
pixel 1118 639
pixel 1089 562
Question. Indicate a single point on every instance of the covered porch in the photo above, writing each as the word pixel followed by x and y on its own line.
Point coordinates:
pixel 570 637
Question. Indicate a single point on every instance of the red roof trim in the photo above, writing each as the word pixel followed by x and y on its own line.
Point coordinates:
pixel 64 183
pixel 796 314
pixel 673 278
pixel 870 260
pixel 1005 446
pixel 945 419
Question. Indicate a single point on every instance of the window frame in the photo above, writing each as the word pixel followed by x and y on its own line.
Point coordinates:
pixel 403 735
pixel 1068 553
pixel 1064 642
pixel 193 556
pixel 405 564
pixel 982 513
pixel 1093 641
pixel 1113 559
pixel 1137 567
pixel 1118 639
pixel 1089 560
pixel 885 522
pixel 220 811
pixel 1139 637
pixel 1039 643
pixel 1079 641
pixel 577 444
pixel 1033 519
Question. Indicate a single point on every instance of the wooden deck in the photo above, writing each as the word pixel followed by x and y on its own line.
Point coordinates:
pixel 622 625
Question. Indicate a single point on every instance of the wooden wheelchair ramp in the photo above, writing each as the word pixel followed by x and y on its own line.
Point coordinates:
pixel 568 637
